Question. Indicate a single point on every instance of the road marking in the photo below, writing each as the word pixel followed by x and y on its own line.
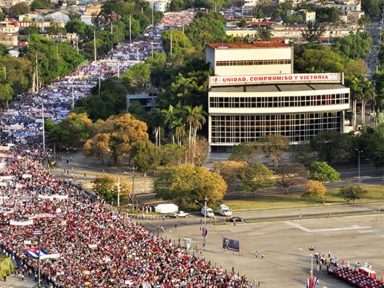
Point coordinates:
pixel 302 228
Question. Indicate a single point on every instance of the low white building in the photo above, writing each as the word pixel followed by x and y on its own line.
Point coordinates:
pixel 159 5
pixel 229 59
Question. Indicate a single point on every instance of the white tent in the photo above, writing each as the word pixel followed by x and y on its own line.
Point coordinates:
pixel 166 208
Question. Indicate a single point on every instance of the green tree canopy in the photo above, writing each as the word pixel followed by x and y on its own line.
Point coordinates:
pixel 146 156
pixel 274 146
pixel 186 183
pixel 332 146
pixel 6 93
pixel 354 46
pixel 73 131
pixel 18 9
pixel 207 27
pixel 256 176
pixel 321 171
pixel 137 79
pixel 180 41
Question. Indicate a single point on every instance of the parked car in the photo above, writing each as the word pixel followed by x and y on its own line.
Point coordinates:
pixel 235 219
pixel 180 214
pixel 224 210
pixel 208 212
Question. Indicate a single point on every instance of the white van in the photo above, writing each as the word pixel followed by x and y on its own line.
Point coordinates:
pixel 224 210
pixel 207 212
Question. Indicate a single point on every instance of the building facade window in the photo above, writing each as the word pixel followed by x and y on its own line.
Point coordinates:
pixel 253 62
pixel 278 101
pixel 299 127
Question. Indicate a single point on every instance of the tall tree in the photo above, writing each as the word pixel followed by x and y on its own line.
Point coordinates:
pixel 313 32
pixel 6 93
pixel 146 156
pixel 321 171
pixel 274 146
pixel 137 78
pixel 186 183
pixel 256 176
pixel 122 132
pixel 179 40
pixel 290 174
pixel 195 117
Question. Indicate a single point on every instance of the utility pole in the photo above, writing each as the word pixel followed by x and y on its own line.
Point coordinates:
pixel 38 233
pixel 130 28
pixel 152 48
pixel 94 45
pixel 99 83
pixel 112 36
pixel 73 98
pixel 133 188
pixel 358 163
pixel 205 221
pixel 43 121
pixel 311 249
pixel 118 191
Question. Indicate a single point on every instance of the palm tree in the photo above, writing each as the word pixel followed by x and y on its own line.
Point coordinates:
pixel 169 117
pixel 367 93
pixel 196 120
pixel 179 127
pixel 354 85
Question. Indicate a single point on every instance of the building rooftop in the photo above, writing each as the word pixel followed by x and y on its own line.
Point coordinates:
pixel 241 45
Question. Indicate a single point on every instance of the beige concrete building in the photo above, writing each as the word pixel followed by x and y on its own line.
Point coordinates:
pixel 247 107
pixel 229 59
pixel 8 39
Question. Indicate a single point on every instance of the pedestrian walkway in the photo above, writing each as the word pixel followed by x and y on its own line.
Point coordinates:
pixel 16 282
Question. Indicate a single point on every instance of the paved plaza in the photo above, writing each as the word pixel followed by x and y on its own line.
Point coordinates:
pixel 285 247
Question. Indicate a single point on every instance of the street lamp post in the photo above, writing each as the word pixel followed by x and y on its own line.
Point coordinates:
pixel 205 220
pixel 38 233
pixel 358 163
pixel 133 189
pixel 311 249
pixel 205 213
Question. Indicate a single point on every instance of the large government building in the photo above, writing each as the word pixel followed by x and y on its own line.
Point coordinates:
pixel 254 92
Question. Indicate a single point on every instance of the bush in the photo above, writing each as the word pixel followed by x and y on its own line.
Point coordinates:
pixel 352 192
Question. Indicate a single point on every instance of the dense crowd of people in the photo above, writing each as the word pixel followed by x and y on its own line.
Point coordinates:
pixel 177 19
pixel 23 119
pixel 98 248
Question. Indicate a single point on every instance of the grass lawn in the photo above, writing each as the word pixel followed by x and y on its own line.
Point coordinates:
pixel 375 192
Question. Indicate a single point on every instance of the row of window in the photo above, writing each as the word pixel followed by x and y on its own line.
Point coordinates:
pixel 253 62
pixel 297 127
pixel 283 101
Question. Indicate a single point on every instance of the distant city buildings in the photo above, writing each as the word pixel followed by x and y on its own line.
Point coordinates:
pixel 254 93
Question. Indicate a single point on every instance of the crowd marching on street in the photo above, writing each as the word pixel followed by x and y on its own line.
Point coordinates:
pixel 23 119
pixel 97 247
pixel 94 246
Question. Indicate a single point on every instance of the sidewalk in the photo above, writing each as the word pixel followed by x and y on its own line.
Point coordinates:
pixel 16 282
